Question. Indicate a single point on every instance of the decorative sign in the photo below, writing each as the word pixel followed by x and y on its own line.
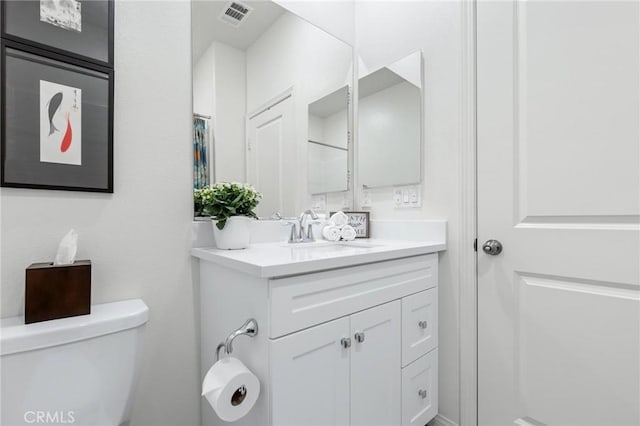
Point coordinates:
pixel 360 223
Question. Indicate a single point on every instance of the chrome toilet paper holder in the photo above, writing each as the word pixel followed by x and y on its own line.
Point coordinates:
pixel 249 328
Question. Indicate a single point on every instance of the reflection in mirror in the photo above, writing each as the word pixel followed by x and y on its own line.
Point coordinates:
pixel 328 144
pixel 255 72
pixel 390 124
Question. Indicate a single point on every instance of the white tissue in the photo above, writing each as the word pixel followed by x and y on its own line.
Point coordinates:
pixel 331 233
pixel 347 233
pixel 67 249
pixel 339 219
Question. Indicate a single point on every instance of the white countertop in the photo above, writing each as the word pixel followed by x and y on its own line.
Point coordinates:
pixel 268 260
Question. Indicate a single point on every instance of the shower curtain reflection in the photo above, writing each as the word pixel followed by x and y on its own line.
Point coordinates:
pixel 201 175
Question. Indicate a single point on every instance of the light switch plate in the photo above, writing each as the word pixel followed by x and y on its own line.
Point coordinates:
pixel 407 196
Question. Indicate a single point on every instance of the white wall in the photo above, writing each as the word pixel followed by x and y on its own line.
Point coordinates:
pixel 387 31
pixel 138 238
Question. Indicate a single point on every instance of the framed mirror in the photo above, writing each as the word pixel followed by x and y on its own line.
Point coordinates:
pixel 390 124
pixel 328 143
pixel 257 69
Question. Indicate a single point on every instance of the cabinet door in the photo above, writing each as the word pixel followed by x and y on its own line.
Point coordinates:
pixel 419 324
pixel 375 366
pixel 310 377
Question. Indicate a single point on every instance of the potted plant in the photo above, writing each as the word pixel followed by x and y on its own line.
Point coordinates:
pixel 230 206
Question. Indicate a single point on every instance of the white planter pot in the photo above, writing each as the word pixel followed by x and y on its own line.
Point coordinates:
pixel 235 234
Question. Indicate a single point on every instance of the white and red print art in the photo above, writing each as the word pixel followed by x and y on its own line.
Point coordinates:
pixel 60 124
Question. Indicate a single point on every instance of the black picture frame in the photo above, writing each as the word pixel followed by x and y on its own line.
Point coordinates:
pixel 21 150
pixel 360 222
pixel 21 22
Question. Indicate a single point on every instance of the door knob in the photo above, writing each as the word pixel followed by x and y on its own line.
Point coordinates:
pixel 492 247
pixel 422 324
pixel 345 342
pixel 422 393
pixel 359 336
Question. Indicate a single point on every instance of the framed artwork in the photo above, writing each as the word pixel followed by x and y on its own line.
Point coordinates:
pixel 57 121
pixel 360 223
pixel 76 28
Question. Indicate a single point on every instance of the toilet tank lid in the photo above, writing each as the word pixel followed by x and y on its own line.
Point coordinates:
pixel 106 318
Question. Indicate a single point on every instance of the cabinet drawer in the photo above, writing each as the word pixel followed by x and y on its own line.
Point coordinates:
pixel 419 324
pixel 420 390
pixel 302 301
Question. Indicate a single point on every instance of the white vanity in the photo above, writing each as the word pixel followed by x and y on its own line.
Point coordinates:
pixel 348 332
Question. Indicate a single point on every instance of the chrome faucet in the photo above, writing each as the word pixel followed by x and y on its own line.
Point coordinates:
pixel 308 236
pixel 299 234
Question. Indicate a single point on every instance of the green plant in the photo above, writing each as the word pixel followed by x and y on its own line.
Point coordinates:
pixel 225 199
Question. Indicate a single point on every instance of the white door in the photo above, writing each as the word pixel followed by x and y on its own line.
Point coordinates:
pixel 271 158
pixel 375 366
pixel 310 377
pixel 558 186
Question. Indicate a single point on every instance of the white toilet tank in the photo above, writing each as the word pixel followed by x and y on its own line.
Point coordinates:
pixel 79 370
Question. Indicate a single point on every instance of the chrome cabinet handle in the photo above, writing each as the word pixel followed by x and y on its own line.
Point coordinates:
pixel 422 393
pixel 359 336
pixel 345 342
pixel 422 324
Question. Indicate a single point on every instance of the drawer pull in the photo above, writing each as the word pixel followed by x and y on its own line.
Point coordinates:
pixel 422 324
pixel 345 342
pixel 422 393
pixel 359 336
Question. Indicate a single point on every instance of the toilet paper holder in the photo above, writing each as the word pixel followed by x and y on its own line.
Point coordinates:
pixel 249 328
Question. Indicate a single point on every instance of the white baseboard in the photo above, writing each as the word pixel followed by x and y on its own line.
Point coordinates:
pixel 440 420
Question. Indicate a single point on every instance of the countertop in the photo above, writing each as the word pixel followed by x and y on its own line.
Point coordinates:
pixel 270 260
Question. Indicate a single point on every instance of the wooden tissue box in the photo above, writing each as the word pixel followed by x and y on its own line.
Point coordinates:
pixel 53 292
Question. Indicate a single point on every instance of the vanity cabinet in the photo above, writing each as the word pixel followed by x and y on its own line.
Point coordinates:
pixel 354 345
pixel 339 373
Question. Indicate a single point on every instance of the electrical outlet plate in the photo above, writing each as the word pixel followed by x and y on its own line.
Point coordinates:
pixel 319 203
pixel 407 196
pixel 365 199
pixel 346 200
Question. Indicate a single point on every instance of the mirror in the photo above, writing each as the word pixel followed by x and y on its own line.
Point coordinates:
pixel 390 124
pixel 328 143
pixel 258 72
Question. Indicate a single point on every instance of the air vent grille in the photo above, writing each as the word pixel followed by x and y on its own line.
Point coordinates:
pixel 235 13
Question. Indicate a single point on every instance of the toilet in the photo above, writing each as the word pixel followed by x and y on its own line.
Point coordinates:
pixel 80 370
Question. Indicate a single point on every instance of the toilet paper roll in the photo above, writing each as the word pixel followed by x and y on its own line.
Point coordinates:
pixel 331 233
pixel 231 389
pixel 347 233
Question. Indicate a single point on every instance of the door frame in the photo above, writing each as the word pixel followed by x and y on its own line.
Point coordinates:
pixel 468 257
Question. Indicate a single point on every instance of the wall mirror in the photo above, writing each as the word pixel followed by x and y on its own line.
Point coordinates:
pixel 258 72
pixel 328 143
pixel 390 124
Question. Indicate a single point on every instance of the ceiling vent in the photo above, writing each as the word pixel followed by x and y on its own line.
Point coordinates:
pixel 235 13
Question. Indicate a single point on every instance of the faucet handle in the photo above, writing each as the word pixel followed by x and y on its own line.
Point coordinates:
pixel 292 235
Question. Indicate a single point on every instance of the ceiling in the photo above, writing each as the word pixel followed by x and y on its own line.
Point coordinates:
pixel 206 27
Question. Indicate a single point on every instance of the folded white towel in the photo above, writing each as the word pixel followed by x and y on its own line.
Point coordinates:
pixel 331 233
pixel 347 233
pixel 339 219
